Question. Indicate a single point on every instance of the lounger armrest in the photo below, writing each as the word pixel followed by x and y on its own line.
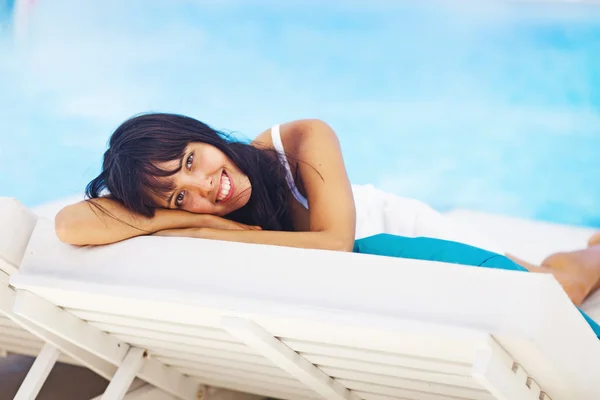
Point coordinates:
pixel 16 226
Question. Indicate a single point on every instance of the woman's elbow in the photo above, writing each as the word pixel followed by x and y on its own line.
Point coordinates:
pixel 342 244
pixel 65 226
pixel 347 246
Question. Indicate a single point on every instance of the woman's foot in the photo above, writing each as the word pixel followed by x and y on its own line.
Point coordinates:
pixel 578 271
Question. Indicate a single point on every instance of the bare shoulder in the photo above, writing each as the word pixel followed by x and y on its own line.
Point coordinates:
pixel 297 135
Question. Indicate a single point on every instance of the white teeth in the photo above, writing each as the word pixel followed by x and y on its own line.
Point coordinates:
pixel 225 187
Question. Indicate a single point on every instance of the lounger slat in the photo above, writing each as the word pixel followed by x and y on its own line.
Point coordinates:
pixel 272 391
pixel 206 352
pixel 309 350
pixel 285 387
pixel 325 362
pixel 166 336
pixel 151 343
pixel 243 376
pixel 375 396
pixel 216 363
pixel 407 343
pixel 409 384
pixel 396 392
pixel 112 322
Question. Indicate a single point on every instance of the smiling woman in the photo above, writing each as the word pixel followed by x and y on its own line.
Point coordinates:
pixel 167 174
pixel 174 175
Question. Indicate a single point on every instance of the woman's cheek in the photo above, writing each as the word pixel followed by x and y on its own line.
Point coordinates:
pixel 201 206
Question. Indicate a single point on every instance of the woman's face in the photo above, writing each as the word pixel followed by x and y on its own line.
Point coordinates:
pixel 208 182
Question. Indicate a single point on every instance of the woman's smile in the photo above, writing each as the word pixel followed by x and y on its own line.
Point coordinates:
pixel 226 188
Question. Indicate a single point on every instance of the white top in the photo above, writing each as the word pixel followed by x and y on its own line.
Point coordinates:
pixel 278 145
pixel 378 211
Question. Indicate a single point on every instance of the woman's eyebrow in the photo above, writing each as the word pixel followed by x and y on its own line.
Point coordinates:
pixel 183 157
pixel 171 198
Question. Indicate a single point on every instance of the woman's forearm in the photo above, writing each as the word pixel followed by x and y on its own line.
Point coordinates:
pixel 306 240
pixel 104 220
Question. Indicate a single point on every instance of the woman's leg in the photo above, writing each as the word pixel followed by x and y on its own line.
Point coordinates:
pixel 577 271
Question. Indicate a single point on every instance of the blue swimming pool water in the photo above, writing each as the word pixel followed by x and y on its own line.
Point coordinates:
pixel 494 107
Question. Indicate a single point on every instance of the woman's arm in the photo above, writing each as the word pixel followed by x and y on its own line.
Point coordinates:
pixel 305 240
pixel 104 220
pixel 321 169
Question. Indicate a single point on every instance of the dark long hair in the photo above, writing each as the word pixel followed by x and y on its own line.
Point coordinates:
pixel 131 176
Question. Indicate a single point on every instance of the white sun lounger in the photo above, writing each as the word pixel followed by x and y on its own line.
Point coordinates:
pixel 183 313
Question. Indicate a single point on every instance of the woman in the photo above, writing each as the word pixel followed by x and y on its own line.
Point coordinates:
pixel 172 175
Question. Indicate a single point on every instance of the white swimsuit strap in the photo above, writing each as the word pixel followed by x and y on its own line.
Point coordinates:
pixel 278 145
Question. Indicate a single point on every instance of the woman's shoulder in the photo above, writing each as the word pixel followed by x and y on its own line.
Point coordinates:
pixel 292 135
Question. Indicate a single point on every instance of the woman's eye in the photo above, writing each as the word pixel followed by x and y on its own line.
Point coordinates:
pixel 179 199
pixel 189 161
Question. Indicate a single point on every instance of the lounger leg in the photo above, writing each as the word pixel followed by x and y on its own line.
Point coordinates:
pixel 119 385
pixel 38 373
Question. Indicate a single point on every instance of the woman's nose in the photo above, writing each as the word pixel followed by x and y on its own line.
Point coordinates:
pixel 205 184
